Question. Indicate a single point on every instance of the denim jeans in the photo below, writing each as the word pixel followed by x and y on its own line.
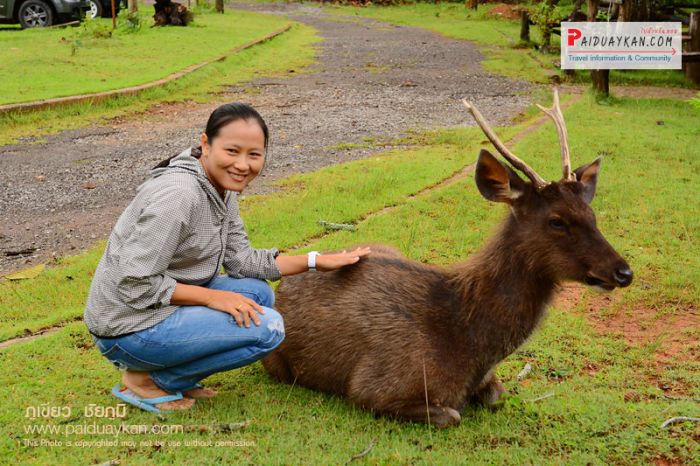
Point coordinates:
pixel 196 341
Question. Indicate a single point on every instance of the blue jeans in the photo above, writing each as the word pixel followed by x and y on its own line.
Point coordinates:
pixel 195 342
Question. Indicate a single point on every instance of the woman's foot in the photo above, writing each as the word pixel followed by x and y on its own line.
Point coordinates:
pixel 143 385
pixel 200 393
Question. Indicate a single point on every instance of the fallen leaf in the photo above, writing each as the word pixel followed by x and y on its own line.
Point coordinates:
pixel 27 274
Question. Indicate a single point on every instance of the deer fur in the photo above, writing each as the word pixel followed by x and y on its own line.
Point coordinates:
pixel 386 330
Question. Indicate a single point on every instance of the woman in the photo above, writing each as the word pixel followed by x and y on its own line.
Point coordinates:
pixel 158 308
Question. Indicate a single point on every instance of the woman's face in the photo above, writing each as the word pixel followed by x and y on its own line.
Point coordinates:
pixel 235 156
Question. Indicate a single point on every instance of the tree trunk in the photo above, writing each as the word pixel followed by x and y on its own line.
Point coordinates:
pixel 472 4
pixel 133 6
pixel 524 26
pixel 219 6
pixel 547 39
pixel 592 9
pixel 636 10
pixel 600 78
pixel 601 82
pixel 615 12
pixel 692 70
pixel 575 10
pixel 625 11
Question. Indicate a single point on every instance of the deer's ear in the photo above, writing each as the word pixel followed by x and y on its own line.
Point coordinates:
pixel 587 175
pixel 497 182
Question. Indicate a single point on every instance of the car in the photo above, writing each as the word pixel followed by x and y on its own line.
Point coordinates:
pixel 102 8
pixel 41 13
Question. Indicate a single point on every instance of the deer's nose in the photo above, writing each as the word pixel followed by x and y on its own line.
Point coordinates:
pixel 623 276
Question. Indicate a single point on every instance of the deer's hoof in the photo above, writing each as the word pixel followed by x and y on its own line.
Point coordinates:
pixel 495 394
pixel 491 395
pixel 447 417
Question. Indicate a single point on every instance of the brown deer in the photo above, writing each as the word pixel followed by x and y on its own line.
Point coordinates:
pixel 418 342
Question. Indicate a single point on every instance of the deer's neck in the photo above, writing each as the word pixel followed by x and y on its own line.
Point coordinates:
pixel 505 289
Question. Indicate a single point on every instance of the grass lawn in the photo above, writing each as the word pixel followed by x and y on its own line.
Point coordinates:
pixel 608 395
pixel 87 64
pixel 500 38
pixel 292 50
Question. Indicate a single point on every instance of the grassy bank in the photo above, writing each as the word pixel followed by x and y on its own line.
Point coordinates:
pixel 92 58
pixel 292 50
pixel 609 396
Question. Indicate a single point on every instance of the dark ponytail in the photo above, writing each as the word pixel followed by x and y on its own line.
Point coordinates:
pixel 221 117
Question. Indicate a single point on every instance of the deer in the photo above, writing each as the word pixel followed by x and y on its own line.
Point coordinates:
pixel 418 342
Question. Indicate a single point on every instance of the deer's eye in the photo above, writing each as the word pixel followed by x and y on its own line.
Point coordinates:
pixel 557 224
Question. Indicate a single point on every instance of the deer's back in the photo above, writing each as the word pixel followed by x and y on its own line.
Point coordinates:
pixel 387 312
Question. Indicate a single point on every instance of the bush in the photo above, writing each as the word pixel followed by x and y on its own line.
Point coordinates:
pixel 94 29
pixel 128 22
pixel 546 15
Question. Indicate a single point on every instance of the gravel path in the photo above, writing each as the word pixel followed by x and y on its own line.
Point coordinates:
pixel 372 80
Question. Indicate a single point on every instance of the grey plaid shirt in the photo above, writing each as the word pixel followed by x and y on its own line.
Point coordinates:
pixel 177 229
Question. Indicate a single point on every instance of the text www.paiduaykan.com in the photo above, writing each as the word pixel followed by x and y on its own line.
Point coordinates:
pixel 106 429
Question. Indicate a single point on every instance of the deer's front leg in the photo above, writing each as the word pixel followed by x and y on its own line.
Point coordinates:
pixel 490 391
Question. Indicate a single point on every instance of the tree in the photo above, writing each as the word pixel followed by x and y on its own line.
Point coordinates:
pixel 637 10
pixel 600 78
pixel 219 6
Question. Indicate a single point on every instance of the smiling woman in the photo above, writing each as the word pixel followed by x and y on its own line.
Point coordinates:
pixel 158 308
pixel 238 154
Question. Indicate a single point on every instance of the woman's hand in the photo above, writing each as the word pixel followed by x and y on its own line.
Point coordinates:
pixel 328 262
pixel 290 265
pixel 241 308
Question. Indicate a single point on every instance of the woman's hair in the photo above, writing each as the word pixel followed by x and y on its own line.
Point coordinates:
pixel 221 117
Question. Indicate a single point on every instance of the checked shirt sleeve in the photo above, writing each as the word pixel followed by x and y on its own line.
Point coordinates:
pixel 148 250
pixel 240 259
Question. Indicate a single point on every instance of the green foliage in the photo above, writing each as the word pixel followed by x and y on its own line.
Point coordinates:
pixel 128 22
pixel 546 15
pixel 93 29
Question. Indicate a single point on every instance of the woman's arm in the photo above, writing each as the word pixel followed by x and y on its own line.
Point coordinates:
pixel 290 265
pixel 147 250
pixel 240 258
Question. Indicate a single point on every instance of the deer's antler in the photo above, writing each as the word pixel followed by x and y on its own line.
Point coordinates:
pixel 555 114
pixel 536 179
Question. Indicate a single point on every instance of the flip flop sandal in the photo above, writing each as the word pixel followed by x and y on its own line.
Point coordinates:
pixel 147 404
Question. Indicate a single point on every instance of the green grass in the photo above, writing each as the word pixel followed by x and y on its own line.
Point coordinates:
pixel 341 193
pixel 646 208
pixel 500 41
pixel 87 64
pixel 292 50
pixel 661 78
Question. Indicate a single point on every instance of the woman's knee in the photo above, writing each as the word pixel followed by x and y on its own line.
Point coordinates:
pixel 265 294
pixel 257 290
pixel 272 325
